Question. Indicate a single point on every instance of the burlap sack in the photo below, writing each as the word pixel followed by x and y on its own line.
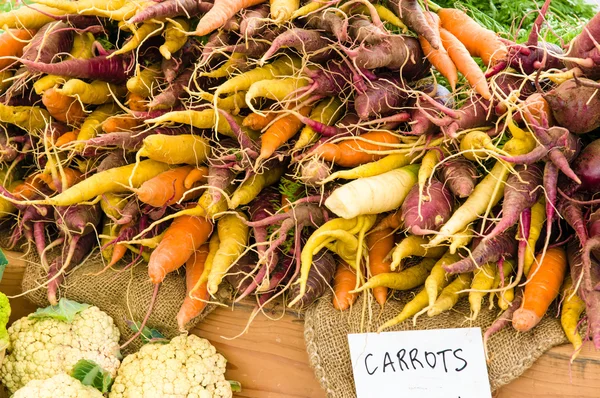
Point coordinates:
pixel 326 330
pixel 122 295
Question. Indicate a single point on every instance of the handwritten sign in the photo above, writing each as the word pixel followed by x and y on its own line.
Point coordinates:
pixel 445 363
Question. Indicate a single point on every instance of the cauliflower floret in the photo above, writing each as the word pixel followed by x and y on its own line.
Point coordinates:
pixel 59 386
pixel 187 367
pixel 44 347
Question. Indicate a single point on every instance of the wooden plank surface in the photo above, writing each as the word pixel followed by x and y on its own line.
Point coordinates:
pixel 270 360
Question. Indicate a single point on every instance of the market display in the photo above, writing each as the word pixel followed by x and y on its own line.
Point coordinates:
pixel 287 150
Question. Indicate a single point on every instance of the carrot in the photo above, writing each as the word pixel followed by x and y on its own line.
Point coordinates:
pixel 414 245
pixel 148 29
pixel 275 89
pixel 93 123
pixel 29 17
pixel 182 238
pixel 373 195
pixel 118 252
pixel 62 107
pixel 379 244
pixel 28 189
pixel 175 37
pixel 233 237
pixel 280 132
pixel 213 248
pixel 66 138
pixel 196 298
pixel 68 178
pixel 221 12
pixel 327 111
pixel 144 81
pixel 371 169
pixel 204 119
pixel 465 64
pixel 411 308
pixel 343 282
pixel 482 281
pixel 195 176
pixel 439 58
pixel 256 121
pixel 136 102
pixel 95 93
pixel 176 149
pixel 81 6
pixel 283 10
pixel 12 43
pixel 404 280
pixel 111 180
pixel 355 151
pixel 479 41
pixel 572 308
pixel 119 123
pixel 538 218
pixel 165 189
pixel 450 295
pixel 543 286
pixel 250 188
pixel 438 278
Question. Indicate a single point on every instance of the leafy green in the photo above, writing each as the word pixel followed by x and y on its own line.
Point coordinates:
pixel 3 263
pixel 105 43
pixel 64 311
pixel 293 190
pixel 236 386
pixel 148 335
pixel 514 19
pixel 89 373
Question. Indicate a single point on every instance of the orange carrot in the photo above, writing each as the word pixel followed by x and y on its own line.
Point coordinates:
pixel 196 299
pixel 118 253
pixel 479 41
pixel 197 176
pixel 30 188
pixel 280 132
pixel 465 64
pixel 66 138
pixel 12 44
pixel 120 123
pixel 258 122
pixel 220 13
pixel 63 108
pixel 353 152
pixel 72 177
pixel 535 107
pixel 136 102
pixel 343 282
pixel 439 58
pixel 165 189
pixel 543 286
pixel 380 244
pixel 181 239
pixel 392 220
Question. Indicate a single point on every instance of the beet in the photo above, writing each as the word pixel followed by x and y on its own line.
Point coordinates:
pixel 587 168
pixel 575 106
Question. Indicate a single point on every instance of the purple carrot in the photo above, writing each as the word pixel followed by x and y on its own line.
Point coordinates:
pixel 421 111
pixel 586 278
pixel 170 9
pixel 251 48
pixel 8 152
pixel 398 52
pixel 593 244
pixel 319 279
pixel 78 219
pixel 584 50
pixel 575 106
pixel 382 96
pixel 79 247
pixel 232 24
pixel 521 191
pixel 329 21
pixel 112 160
pixel 362 30
pixel 426 213
pixel 52 39
pixel 218 179
pixel 332 80
pixel 240 275
pixel 306 41
pixel 254 21
pixel 572 212
pixel 182 59
pixel 215 41
pixel 314 171
pixel 492 250
pixel 503 320
pixel 411 13
pixel 246 143
pixel 279 278
pixel 460 175
pixel 170 96
pixel 113 70
pixel 130 213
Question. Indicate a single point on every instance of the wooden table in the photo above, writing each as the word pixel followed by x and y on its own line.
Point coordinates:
pixel 270 360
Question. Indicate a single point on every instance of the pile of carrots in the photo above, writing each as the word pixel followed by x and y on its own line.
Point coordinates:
pixel 288 149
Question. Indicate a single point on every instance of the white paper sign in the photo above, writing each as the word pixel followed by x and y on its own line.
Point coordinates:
pixel 445 363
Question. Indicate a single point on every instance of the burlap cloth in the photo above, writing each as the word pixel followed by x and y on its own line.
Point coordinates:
pixel 326 330
pixel 122 295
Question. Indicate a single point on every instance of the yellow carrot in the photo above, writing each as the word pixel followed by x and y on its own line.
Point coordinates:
pixel 283 10
pixel 438 278
pixel 483 280
pixel 383 165
pixel 92 125
pixel 204 119
pixel 418 303
pixel 538 218
pixel 250 188
pixel 414 245
pixel 95 93
pixel 30 118
pixel 328 111
pixel 175 37
pixel 275 89
pixel 144 81
pixel 571 310
pixel 148 29
pixel 405 280
pixel 449 296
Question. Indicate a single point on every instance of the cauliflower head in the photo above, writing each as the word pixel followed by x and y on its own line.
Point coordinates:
pixel 42 345
pixel 60 386
pixel 187 367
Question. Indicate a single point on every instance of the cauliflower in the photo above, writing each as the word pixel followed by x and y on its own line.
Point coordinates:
pixel 60 386
pixel 52 340
pixel 187 367
pixel 4 315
